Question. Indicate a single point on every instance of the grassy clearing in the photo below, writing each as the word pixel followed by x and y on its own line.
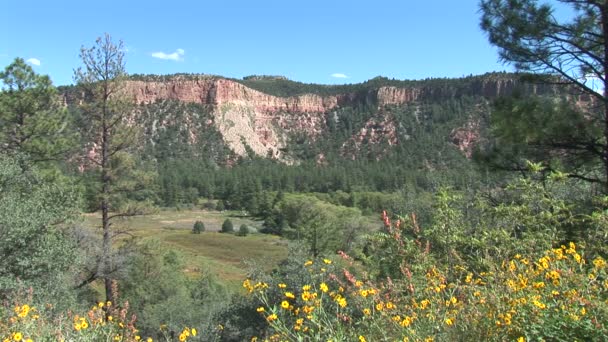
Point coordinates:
pixel 224 255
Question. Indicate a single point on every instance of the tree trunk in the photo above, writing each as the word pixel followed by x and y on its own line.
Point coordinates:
pixel 604 23
pixel 105 208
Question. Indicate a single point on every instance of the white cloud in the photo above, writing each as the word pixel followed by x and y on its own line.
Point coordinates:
pixel 338 75
pixel 34 61
pixel 178 55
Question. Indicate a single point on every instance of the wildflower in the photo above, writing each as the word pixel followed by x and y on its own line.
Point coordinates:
pixel 449 321
pixel 100 304
pixel 599 262
pixel 390 306
pixel 540 305
pixel 324 287
pixel 361 338
pixel 367 312
pixel 271 318
pixel 327 261
pixel 25 309
pixel 149 339
pixel 521 339
pixel 17 336
pixel 290 295
pixel 285 304
pixel 308 263
pixel 407 320
pixel 282 286
pixel 182 337
pixel 363 293
pixel 539 285
pixel 108 303
pixel 306 288
pixel 260 309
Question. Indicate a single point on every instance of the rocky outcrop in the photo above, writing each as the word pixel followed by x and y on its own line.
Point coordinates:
pixel 465 138
pixel 378 130
pixel 262 122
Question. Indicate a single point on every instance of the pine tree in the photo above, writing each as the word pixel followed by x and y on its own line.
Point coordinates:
pixel 110 140
pixel 31 118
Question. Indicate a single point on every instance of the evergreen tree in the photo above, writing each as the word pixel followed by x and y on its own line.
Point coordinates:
pixel 227 226
pixel 110 140
pixel 572 52
pixel 31 118
pixel 198 227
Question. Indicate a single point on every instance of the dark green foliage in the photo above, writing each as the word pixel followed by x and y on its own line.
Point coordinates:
pixel 571 52
pixel 159 292
pixel 32 120
pixel 35 246
pixel 227 226
pixel 198 227
pixel 243 230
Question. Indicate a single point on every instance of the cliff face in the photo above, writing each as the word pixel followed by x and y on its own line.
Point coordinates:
pixel 263 122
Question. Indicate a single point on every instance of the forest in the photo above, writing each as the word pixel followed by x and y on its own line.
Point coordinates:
pixel 124 221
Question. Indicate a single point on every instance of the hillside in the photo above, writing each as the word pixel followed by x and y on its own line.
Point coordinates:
pixel 270 116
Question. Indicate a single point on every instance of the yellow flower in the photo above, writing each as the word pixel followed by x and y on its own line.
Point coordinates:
pixel 361 338
pixel 285 304
pixel 25 309
pixel 271 318
pixel 390 306
pixel 599 262
pixel 521 339
pixel 17 336
pixel 308 263
pixel 108 303
pixel 449 321
pixel 363 293
pixel 100 304
pixel 260 309
pixel 149 339
pixel 306 288
pixel 324 287
pixel 84 325
pixel 110 318
pixel 282 286
pixel 290 295
pixel 539 304
pixel 137 338
pixel 182 337
pixel 367 312
pixel 327 261
pixel 407 320
pixel 77 326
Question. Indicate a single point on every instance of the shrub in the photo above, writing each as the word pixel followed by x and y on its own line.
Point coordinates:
pixel 198 227
pixel 227 226
pixel 219 206
pixel 243 230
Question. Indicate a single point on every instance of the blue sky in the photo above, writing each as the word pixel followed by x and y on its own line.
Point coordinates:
pixel 307 41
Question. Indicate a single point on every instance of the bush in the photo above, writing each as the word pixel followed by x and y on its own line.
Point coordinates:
pixel 243 230
pixel 198 227
pixel 227 226
pixel 219 206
